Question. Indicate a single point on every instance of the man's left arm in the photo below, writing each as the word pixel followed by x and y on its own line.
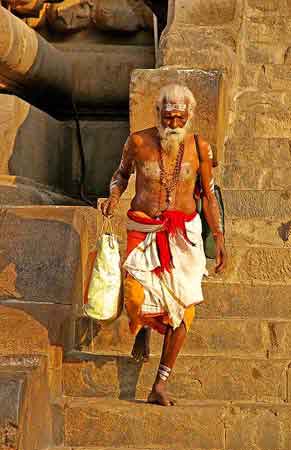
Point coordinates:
pixel 210 205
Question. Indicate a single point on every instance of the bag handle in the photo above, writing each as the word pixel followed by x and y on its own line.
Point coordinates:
pixel 107 222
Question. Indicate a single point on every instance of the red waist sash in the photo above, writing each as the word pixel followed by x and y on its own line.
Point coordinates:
pixel 173 222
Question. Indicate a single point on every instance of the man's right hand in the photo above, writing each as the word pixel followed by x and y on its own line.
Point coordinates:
pixel 107 206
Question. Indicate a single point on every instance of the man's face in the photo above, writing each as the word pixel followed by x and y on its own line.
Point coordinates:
pixel 174 119
pixel 173 124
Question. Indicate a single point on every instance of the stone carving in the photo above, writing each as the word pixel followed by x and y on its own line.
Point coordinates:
pixel 73 15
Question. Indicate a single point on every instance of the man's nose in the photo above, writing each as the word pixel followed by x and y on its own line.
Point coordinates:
pixel 174 123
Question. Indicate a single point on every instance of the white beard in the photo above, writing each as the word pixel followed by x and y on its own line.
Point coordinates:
pixel 172 138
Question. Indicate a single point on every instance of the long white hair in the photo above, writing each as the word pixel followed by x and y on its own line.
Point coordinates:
pixel 176 93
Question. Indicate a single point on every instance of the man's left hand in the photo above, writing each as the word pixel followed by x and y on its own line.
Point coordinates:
pixel 221 256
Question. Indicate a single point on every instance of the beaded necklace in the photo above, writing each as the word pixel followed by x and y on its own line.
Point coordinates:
pixel 169 182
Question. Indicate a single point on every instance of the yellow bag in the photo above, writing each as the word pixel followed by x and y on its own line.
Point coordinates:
pixel 105 299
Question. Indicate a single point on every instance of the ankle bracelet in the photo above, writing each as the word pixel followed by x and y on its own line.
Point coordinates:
pixel 164 372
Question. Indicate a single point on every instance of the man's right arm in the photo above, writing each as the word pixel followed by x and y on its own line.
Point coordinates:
pixel 119 180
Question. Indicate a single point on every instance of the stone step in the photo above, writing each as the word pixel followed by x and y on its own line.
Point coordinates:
pixel 200 425
pixel 208 337
pixel 238 300
pixel 238 176
pixel 251 203
pixel 255 265
pixel 196 378
pixel 120 448
pixel 257 233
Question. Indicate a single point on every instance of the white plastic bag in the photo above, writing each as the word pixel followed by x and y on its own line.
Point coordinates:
pixel 104 301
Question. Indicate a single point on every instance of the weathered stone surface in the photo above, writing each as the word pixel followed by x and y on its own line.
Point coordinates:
pixel 259 264
pixel 264 232
pixel 11 392
pixel 257 204
pixel 273 125
pixel 115 423
pixel 265 54
pixel 267 7
pixel 199 48
pixel 199 13
pixel 236 176
pixel 207 337
pixel 258 427
pixel 270 29
pixel 13 112
pixel 28 337
pixel 207 87
pixel 39 151
pixel 223 300
pixel 102 76
pixel 278 76
pixel 103 141
pixel 193 378
pixel 22 425
pixel 40 255
pixel 116 15
pixel 261 102
pixel 258 152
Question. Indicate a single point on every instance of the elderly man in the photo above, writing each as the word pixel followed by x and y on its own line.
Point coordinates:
pixel 165 258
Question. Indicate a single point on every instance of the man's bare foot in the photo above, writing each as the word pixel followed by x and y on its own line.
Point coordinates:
pixel 159 396
pixel 141 347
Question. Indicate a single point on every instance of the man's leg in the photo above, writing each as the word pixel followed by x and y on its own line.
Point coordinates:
pixel 173 342
pixel 141 347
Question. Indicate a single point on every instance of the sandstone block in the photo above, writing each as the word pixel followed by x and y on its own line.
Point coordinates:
pixel 267 233
pixel 279 76
pixel 251 76
pixel 259 264
pixel 22 425
pixel 28 337
pixel 268 29
pixel 258 427
pixel 236 176
pixel 258 152
pixel 265 54
pixel 41 255
pixel 207 87
pixel 238 300
pixel 207 14
pixel 266 7
pixel 257 204
pixel 115 423
pixel 227 337
pixel 273 125
pixel 260 102
pixel 193 378
pixel 199 47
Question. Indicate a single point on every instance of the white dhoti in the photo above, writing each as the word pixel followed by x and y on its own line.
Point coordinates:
pixel 178 289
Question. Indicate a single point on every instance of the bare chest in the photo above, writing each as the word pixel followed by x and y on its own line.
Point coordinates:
pixel 151 171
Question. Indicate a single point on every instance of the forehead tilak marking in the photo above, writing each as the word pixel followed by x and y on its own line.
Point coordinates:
pixel 175 107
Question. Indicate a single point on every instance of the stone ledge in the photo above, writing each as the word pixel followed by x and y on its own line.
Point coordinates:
pixel 113 423
pixel 193 378
pixel 251 424
pixel 231 338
